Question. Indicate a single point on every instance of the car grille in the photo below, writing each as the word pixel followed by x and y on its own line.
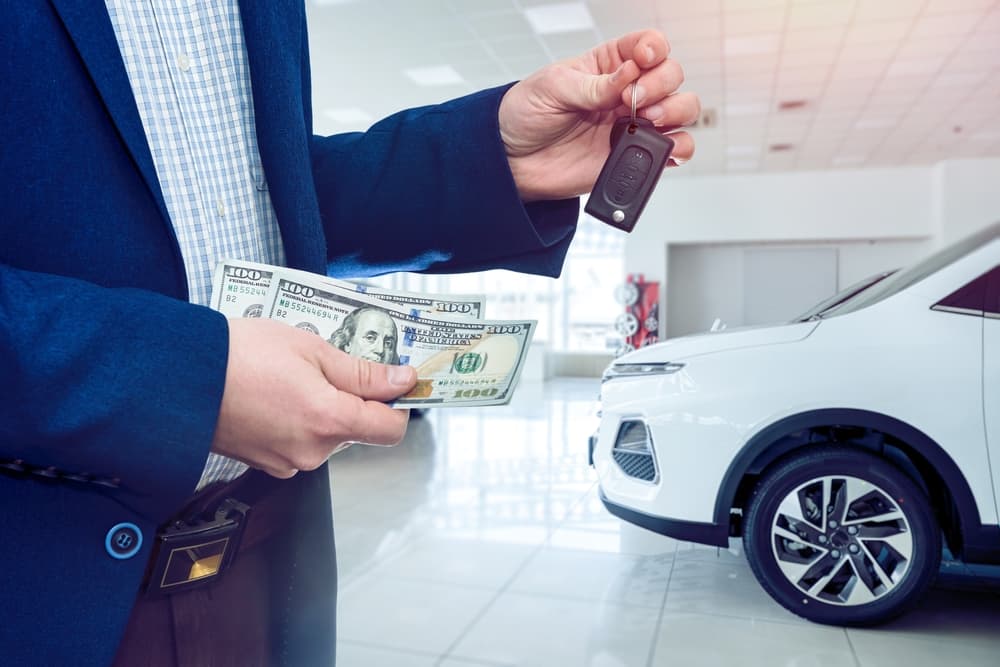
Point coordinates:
pixel 633 451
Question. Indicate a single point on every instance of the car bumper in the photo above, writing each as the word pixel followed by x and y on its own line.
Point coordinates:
pixel 689 531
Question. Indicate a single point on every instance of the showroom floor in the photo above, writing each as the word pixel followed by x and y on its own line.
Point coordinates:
pixel 480 541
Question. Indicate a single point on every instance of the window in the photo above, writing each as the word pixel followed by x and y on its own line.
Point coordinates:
pixel 967 299
pixel 575 312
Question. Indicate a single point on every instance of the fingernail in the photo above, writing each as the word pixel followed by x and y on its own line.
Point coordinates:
pixel 617 73
pixel 640 94
pixel 650 54
pixel 400 375
pixel 653 112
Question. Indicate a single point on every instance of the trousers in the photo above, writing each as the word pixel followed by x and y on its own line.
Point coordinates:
pixel 250 615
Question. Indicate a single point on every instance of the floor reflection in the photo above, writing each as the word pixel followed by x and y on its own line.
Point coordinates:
pixel 480 540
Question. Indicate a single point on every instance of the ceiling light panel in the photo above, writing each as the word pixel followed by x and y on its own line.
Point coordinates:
pixel 559 17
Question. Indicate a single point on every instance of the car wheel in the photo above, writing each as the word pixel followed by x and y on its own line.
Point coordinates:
pixel 838 535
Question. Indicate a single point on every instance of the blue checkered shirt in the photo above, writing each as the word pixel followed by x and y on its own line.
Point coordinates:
pixel 186 61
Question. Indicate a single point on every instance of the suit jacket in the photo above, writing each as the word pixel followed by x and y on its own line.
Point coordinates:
pixel 110 382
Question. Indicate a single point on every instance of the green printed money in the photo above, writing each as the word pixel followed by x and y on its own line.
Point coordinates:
pixel 239 288
pixel 458 361
pixel 453 305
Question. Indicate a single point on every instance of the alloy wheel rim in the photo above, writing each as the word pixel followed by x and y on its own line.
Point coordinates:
pixel 841 540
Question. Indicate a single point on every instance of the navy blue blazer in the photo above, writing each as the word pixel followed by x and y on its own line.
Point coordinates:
pixel 106 373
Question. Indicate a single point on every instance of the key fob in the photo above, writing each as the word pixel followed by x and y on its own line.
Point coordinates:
pixel 638 155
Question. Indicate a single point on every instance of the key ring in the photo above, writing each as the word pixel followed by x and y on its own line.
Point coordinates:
pixel 635 87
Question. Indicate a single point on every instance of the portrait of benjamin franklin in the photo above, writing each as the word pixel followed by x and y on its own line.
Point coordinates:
pixel 369 333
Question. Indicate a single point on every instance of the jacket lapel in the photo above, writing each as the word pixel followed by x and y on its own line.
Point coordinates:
pixel 89 26
pixel 274 33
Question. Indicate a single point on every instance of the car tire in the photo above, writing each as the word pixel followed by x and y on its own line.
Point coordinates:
pixel 867 555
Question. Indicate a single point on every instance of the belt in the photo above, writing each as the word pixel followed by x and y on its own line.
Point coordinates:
pixel 199 544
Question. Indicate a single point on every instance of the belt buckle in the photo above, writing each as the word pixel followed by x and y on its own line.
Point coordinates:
pixel 193 555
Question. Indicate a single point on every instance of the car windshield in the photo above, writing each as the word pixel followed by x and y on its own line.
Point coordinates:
pixel 903 279
pixel 843 295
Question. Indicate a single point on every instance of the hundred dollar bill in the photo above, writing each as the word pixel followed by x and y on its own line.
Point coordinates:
pixel 456 305
pixel 458 361
pixel 239 288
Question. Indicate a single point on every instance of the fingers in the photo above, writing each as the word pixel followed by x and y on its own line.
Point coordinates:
pixel 601 91
pixel 356 420
pixel 683 148
pixel 655 84
pixel 673 111
pixel 647 47
pixel 365 379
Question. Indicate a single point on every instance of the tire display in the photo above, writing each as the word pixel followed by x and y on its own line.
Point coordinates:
pixel 840 536
pixel 638 326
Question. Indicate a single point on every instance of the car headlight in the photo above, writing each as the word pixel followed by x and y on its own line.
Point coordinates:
pixel 615 371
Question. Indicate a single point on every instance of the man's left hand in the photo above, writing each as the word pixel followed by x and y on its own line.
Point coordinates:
pixel 556 123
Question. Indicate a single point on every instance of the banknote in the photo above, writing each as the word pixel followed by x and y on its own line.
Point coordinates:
pixel 459 305
pixel 459 361
pixel 239 288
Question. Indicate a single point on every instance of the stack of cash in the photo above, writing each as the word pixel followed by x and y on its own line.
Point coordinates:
pixel 460 358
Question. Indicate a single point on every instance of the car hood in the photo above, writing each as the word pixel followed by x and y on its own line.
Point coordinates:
pixel 685 347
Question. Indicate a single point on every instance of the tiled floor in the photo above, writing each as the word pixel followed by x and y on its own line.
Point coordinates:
pixel 480 541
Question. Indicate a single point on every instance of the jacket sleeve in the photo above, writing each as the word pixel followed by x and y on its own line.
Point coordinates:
pixel 117 383
pixel 430 189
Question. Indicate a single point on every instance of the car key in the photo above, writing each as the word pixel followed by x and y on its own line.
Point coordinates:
pixel 631 172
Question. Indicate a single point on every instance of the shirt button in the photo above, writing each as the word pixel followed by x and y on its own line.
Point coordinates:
pixel 220 208
pixel 183 62
pixel 123 541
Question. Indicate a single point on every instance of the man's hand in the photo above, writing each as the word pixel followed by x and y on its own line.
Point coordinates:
pixel 292 399
pixel 556 123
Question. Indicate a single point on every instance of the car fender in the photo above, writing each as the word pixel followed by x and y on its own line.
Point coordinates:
pixel 981 542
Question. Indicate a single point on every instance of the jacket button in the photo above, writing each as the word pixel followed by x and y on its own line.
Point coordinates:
pixel 123 541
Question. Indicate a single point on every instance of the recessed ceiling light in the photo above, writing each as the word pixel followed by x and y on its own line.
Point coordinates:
pixel 559 17
pixel 437 75
pixel 791 105
pixel 348 116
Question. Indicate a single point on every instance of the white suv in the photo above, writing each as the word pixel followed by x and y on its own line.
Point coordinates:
pixel 842 446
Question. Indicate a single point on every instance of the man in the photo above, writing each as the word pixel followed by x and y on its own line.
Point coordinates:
pixel 368 333
pixel 143 141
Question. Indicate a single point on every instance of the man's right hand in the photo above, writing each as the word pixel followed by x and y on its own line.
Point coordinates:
pixel 291 399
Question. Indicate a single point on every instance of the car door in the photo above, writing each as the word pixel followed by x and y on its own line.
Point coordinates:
pixel 991 373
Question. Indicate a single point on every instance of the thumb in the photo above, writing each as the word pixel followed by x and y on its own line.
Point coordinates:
pixel 600 92
pixel 365 379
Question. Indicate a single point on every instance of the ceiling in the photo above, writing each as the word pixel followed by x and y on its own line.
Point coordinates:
pixel 870 83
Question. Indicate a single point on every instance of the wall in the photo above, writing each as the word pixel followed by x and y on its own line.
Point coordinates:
pixel 924 206
pixel 705 280
pixel 967 197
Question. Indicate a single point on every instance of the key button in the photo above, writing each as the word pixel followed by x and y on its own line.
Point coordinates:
pixel 123 541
